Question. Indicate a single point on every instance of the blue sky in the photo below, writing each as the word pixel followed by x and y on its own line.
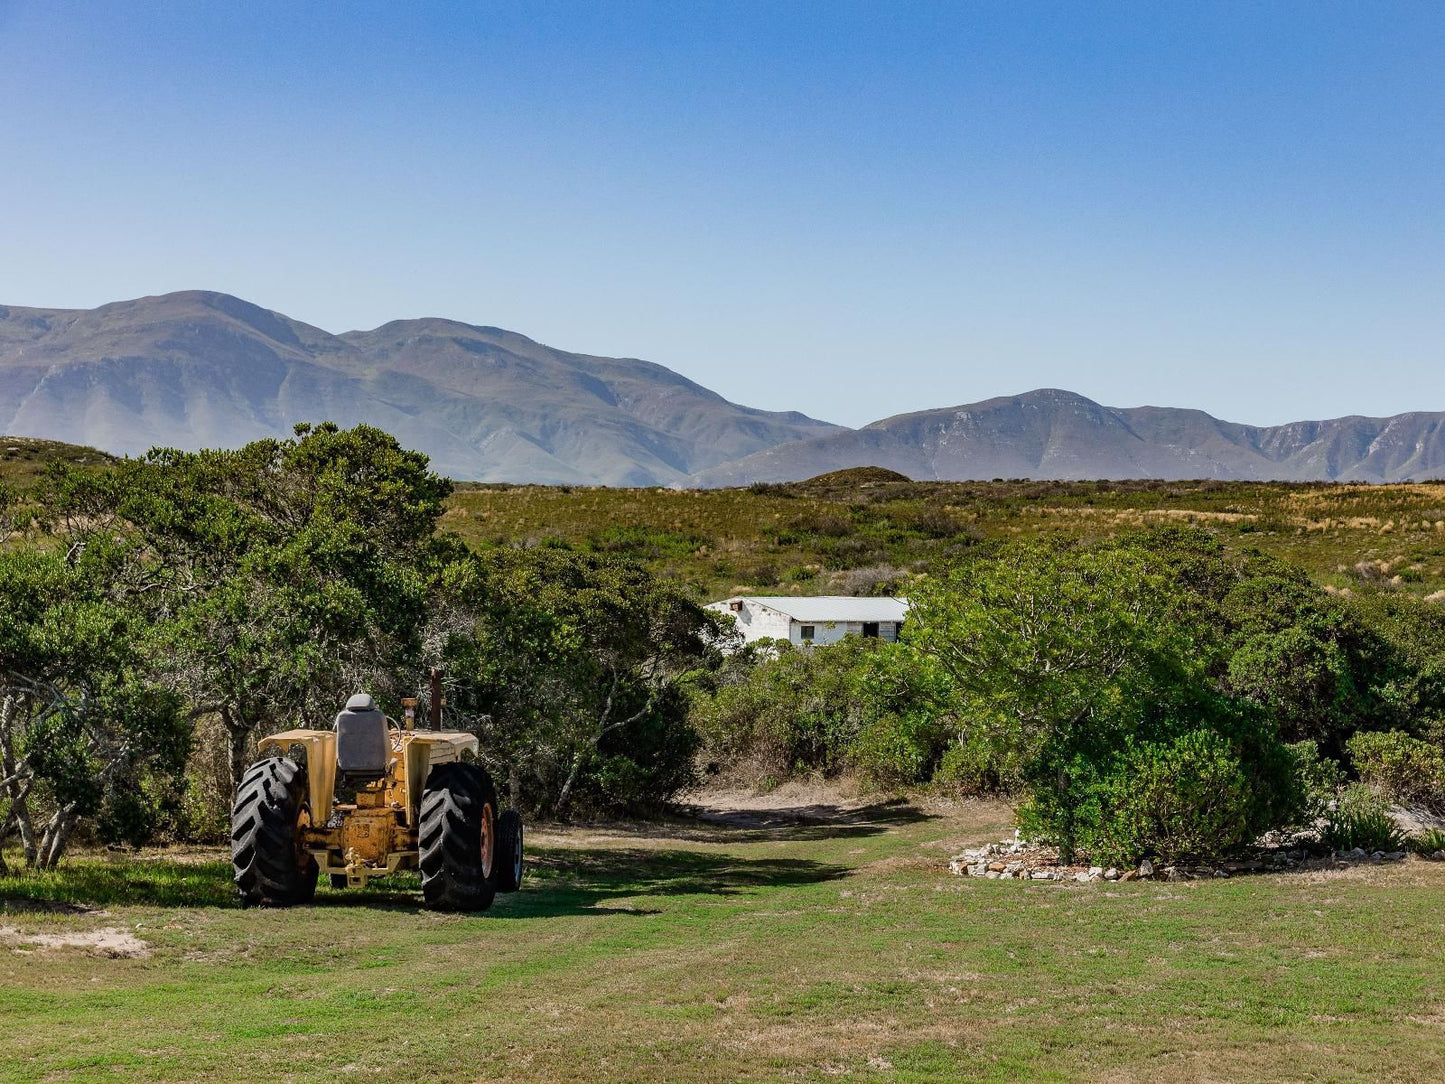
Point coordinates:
pixel 849 209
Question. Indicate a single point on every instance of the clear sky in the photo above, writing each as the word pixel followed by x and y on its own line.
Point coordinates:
pixel 848 209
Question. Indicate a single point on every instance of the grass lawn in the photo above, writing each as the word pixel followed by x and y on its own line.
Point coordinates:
pixel 702 952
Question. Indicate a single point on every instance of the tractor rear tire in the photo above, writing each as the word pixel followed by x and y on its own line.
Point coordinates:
pixel 272 868
pixel 457 838
pixel 509 851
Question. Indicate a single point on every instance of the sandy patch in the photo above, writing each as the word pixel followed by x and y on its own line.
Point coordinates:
pixel 108 941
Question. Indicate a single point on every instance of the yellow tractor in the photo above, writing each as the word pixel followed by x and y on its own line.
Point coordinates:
pixel 366 798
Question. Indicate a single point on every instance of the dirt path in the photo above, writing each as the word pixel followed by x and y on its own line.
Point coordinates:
pixel 791 804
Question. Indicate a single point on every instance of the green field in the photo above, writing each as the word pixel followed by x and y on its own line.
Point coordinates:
pixel 690 951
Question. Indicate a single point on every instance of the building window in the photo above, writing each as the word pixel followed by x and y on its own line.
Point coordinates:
pixel 870 630
pixel 805 631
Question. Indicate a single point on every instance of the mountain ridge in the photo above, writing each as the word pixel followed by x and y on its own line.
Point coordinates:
pixel 1056 434
pixel 203 368
pixel 198 368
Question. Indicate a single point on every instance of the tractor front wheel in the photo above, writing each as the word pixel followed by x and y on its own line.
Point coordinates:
pixel 457 838
pixel 269 858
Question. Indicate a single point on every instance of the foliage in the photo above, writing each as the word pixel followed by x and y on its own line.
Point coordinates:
pixel 1361 819
pixel 1069 660
pixel 1318 781
pixel 573 665
pixel 1187 801
pixel 1402 769
pixel 799 710
pixel 86 727
pixel 1427 842
pixel 290 572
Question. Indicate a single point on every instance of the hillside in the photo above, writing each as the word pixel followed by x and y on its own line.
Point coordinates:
pixel 1051 434
pixel 200 369
pixel 864 533
pixel 24 459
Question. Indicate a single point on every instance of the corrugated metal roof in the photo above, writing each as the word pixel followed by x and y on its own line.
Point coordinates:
pixel 820 609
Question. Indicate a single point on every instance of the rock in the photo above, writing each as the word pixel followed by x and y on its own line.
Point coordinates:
pixel 1358 852
pixel 1439 856
pixel 1395 856
pixel 992 875
pixel 1081 877
pixel 1111 874
pixel 1129 875
pixel 1013 867
pixel 1146 868
pixel 1040 875
pixel 995 867
pixel 1378 855
pixel 1096 871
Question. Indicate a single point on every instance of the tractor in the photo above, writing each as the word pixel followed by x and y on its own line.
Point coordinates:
pixel 366 798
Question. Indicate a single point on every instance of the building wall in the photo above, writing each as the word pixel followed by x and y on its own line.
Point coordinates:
pixel 756 622
pixel 832 632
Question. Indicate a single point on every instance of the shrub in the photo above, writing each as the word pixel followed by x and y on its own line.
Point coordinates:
pixel 1317 778
pixel 1361 819
pixel 1186 801
pixel 1427 842
pixel 973 767
pixel 799 711
pixel 1402 769
pixel 897 750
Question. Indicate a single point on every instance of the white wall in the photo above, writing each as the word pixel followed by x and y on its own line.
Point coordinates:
pixel 757 622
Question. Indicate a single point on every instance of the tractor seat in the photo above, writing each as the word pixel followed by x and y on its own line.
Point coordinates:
pixel 362 747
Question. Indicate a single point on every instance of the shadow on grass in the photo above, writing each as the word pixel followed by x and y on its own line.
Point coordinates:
pixel 558 881
pixel 791 824
pixel 563 880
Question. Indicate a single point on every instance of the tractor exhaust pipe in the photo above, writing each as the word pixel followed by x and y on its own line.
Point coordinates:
pixel 435 701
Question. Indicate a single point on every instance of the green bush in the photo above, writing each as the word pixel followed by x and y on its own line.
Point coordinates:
pixel 1427 842
pixel 898 750
pixel 797 712
pixel 1402 769
pixel 1361 819
pixel 1318 779
pixel 1183 802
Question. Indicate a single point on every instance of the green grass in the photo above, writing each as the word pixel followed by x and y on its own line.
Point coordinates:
pixel 688 952
pixel 848 533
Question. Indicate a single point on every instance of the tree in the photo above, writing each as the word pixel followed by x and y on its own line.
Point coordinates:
pixel 288 572
pixel 1067 659
pixel 572 664
pixel 84 722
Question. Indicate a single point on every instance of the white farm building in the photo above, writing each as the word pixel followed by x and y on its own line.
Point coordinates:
pixel 814 619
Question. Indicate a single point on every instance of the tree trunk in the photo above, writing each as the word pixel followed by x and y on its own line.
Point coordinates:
pixel 240 732
pixel 17 788
pixel 566 795
pixel 57 835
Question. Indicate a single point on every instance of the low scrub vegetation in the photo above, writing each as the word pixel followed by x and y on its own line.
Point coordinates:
pixel 1154 695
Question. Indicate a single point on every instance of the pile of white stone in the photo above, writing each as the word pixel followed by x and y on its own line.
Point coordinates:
pixel 1017 860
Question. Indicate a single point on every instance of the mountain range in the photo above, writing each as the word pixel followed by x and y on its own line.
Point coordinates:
pixel 202 369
